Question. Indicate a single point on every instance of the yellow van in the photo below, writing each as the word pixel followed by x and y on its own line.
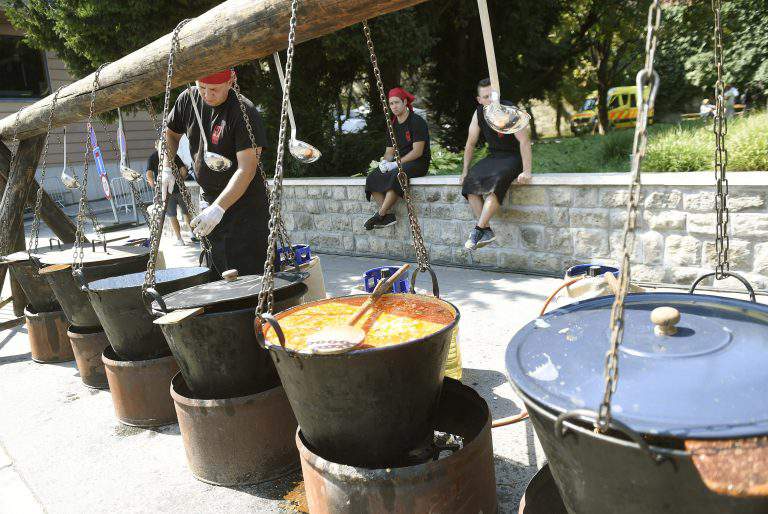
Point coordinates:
pixel 622 110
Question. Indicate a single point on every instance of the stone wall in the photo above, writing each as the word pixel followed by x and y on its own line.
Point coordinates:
pixel 557 221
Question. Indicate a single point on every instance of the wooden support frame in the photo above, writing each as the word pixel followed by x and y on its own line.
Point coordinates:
pixel 231 33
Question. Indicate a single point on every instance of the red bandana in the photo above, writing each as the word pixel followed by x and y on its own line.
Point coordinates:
pixel 217 78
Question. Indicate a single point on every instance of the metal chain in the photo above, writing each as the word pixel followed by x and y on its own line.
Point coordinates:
pixel 422 255
pixel 83 208
pixel 646 77
pixel 33 236
pixel 722 241
pixel 283 240
pixel 158 213
pixel 266 295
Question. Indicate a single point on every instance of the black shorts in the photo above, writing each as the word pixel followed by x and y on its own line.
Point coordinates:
pixel 378 182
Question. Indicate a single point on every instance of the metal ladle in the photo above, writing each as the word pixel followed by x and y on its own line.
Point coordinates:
pixel 506 119
pixel 127 173
pixel 214 161
pixel 68 180
pixel 301 151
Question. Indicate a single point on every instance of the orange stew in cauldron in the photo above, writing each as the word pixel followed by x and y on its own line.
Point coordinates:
pixel 393 319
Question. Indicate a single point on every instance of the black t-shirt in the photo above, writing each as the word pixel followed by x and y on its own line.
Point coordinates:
pixel 497 142
pixel 227 134
pixel 412 130
pixel 153 165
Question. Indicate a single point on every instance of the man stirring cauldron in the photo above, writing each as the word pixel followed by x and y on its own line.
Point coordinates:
pixel 237 215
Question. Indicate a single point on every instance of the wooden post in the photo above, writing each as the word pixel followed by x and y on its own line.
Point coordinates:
pixel 233 32
pixel 50 213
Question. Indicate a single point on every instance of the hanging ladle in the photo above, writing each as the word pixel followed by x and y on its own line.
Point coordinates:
pixel 506 119
pixel 301 151
pixel 214 161
pixel 127 173
pixel 68 180
pixel 343 338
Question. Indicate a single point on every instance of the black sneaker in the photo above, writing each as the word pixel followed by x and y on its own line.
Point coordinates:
pixel 474 237
pixel 371 223
pixel 487 238
pixel 385 221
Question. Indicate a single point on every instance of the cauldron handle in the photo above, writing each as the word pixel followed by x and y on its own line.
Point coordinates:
pixel 561 430
pixel 51 240
pixel 78 276
pixel 435 286
pixel 738 277
pixel 273 323
pixel 151 295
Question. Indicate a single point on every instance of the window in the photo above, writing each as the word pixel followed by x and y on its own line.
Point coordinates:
pixel 613 103
pixel 22 70
pixel 632 101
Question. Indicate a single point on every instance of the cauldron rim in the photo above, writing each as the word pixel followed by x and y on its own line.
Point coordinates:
pixel 363 351
pixel 102 284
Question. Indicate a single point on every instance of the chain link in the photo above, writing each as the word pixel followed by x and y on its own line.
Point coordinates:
pixel 722 241
pixel 282 234
pixel 646 77
pixel 157 217
pixel 84 209
pixel 266 295
pixel 33 236
pixel 422 255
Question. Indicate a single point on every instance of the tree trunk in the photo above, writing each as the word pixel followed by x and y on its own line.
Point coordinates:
pixel 534 134
pixel 20 180
pixel 233 32
pixel 559 109
pixel 50 213
pixel 603 83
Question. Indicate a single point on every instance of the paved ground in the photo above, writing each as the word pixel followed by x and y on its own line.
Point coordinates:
pixel 63 451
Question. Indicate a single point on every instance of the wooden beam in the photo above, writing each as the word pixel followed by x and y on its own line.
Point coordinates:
pixel 16 191
pixel 234 32
pixel 50 213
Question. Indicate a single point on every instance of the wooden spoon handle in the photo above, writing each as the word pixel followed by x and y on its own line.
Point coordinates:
pixel 380 289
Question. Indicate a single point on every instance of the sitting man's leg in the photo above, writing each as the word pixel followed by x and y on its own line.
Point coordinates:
pixel 482 234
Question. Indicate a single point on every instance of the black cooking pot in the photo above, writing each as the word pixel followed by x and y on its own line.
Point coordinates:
pixel 98 263
pixel 122 312
pixel 367 407
pixel 706 381
pixel 216 349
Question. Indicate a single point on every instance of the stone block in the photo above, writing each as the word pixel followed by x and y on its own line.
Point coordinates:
pixel 325 242
pixel 352 207
pixel 348 242
pixel 507 234
pixel 618 217
pixel 289 191
pixel 585 197
pixel 302 221
pixel 682 251
pixel 536 215
pixel 617 242
pixel 440 253
pixel 545 263
pixel 739 254
pixel 685 276
pixel 333 223
pixel 513 259
pixel 560 196
pixel 749 225
pixel 299 191
pixel 560 217
pixel 652 247
pixel 443 232
pixel 699 202
pixel 702 224
pixel 589 218
pixel 443 211
pixel 528 195
pixel 462 256
pixel 432 194
pixel 486 256
pixel 614 198
pixel 665 220
pixel 338 192
pixel 757 280
pixel 358 220
pixel 590 243
pixel 744 201
pixel 356 193
pixel 531 237
pixel 315 192
pixel 453 195
pixel 315 206
pixel 558 240
pixel 761 258
pixel 664 200
pixel 643 273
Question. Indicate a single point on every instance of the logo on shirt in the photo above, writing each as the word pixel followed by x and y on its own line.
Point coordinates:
pixel 407 135
pixel 217 131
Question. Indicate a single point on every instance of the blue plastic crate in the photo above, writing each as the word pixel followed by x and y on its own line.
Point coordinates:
pixel 302 254
pixel 372 277
pixel 583 269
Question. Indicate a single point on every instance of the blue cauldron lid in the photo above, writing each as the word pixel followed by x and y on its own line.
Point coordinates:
pixel 709 380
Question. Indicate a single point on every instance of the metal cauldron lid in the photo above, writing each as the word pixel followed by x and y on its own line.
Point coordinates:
pixel 223 291
pixel 113 254
pixel 706 381
pixel 23 255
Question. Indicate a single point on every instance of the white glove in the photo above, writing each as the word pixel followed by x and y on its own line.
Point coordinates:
pixel 385 166
pixel 168 181
pixel 205 222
